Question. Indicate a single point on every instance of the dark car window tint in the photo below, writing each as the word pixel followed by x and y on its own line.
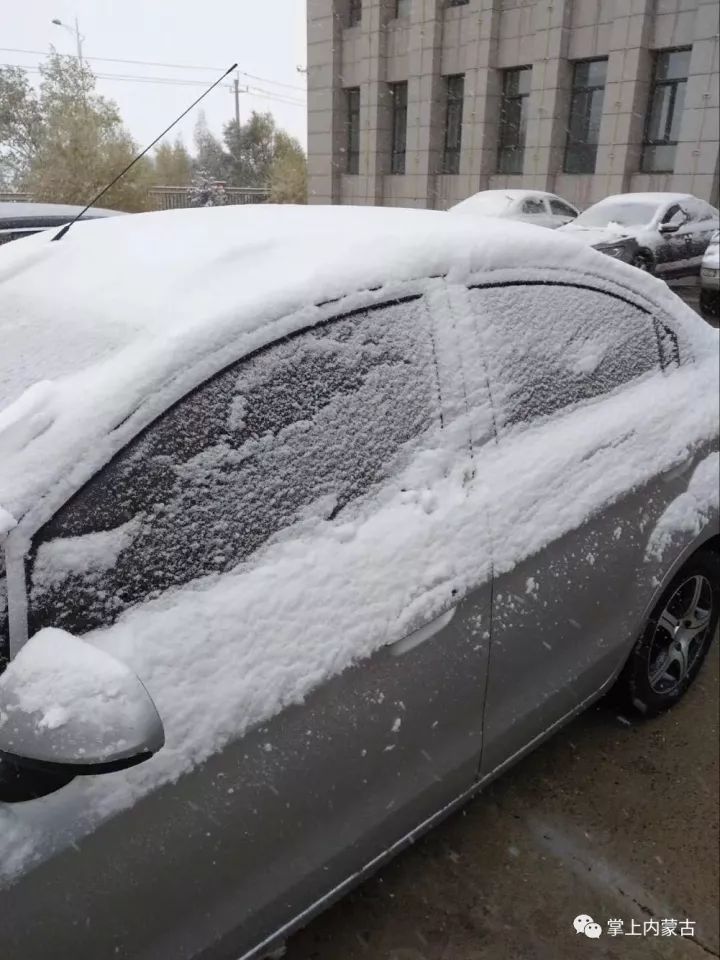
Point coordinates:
pixel 549 345
pixel 300 429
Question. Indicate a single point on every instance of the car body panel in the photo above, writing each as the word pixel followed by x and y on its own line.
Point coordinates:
pixel 224 859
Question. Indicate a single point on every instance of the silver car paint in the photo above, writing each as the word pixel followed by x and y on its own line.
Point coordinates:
pixel 251 843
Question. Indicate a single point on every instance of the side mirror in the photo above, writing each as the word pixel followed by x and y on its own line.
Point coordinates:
pixel 69 709
pixel 669 227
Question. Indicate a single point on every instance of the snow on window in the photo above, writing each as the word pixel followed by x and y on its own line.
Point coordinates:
pixel 550 346
pixel 300 429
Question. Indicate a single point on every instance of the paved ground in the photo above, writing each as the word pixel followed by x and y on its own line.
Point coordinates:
pixel 609 818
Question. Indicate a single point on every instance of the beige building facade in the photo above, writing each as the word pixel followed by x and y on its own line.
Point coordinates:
pixel 425 102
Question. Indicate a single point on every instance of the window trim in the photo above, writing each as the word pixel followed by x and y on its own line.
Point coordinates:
pixel 576 89
pixel 399 117
pixel 451 154
pixel 352 156
pixel 654 85
pixel 354 13
pixel 503 125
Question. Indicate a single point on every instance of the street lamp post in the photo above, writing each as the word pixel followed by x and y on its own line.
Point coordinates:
pixel 75 32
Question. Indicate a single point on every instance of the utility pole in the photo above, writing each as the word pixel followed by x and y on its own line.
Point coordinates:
pixel 236 84
pixel 76 33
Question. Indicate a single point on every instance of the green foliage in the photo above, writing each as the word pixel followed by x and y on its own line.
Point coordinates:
pixel 76 142
pixel 288 172
pixel 173 164
pixel 65 142
pixel 20 125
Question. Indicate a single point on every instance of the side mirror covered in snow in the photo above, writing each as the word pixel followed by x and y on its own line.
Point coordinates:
pixel 68 708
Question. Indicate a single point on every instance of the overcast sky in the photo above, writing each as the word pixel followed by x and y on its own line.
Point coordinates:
pixel 266 38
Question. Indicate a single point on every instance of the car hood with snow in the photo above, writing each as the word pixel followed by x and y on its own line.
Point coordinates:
pixel 594 236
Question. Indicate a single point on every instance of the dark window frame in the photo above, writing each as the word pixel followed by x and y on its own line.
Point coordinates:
pixel 398 147
pixel 352 130
pixel 647 165
pixel 354 13
pixel 583 92
pixel 510 153
pixel 454 106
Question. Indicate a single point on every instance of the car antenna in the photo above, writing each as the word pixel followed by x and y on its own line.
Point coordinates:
pixel 61 233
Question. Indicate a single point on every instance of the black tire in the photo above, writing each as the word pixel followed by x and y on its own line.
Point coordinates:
pixel 665 661
pixel 644 261
pixel 710 302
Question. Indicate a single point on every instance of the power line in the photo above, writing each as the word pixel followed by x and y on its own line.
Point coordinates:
pixel 153 63
pixel 177 81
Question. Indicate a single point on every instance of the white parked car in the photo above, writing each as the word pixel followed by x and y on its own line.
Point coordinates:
pixel 710 277
pixel 528 206
pixel 661 233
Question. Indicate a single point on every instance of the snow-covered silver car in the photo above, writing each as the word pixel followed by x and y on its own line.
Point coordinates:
pixel 661 233
pixel 528 206
pixel 710 277
pixel 313 521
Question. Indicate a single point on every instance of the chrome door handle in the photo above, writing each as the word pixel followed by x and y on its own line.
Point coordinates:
pixel 426 632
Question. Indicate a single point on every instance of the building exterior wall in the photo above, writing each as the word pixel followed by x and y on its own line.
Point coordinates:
pixel 480 39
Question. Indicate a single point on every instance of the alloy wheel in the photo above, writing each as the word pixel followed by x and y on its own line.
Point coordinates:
pixel 680 634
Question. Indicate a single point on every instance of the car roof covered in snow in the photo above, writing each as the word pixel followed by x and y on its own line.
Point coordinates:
pixel 102 330
pixel 657 198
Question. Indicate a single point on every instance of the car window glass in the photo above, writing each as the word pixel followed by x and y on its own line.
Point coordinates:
pixel 548 346
pixel 561 209
pixel 295 432
pixel 533 207
pixel 675 215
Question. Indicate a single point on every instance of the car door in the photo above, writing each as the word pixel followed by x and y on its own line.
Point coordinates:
pixel 571 577
pixel 277 558
pixel 674 251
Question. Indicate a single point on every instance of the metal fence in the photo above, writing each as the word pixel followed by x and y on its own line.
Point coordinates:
pixel 8 197
pixel 172 198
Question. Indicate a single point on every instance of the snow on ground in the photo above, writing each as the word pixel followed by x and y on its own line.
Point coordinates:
pixel 229 651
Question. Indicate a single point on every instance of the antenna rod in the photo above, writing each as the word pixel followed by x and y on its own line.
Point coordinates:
pixel 61 233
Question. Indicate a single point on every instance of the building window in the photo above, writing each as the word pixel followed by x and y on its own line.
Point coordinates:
pixel 457 3
pixel 398 93
pixel 352 124
pixel 586 105
pixel 667 98
pixel 513 119
pixel 354 12
pixel 402 8
pixel 455 92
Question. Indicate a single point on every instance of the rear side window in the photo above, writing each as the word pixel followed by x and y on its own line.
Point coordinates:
pixel 548 346
pixel 561 209
pixel 533 207
pixel 293 433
